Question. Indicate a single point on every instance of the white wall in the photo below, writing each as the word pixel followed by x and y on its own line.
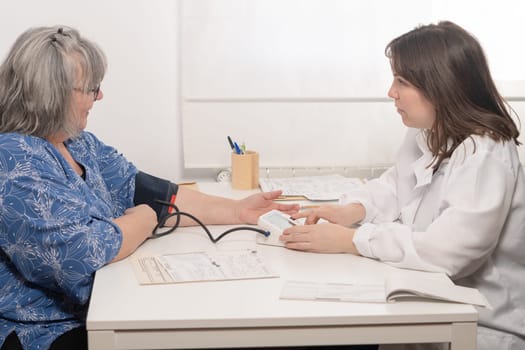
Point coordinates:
pixel 140 111
pixel 304 82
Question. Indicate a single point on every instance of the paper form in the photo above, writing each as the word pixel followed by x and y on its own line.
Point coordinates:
pixel 201 266
pixel 150 271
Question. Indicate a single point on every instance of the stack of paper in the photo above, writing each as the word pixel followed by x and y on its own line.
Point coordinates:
pixel 314 188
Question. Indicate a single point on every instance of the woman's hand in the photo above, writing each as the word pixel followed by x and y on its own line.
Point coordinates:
pixel 345 215
pixel 250 208
pixel 320 238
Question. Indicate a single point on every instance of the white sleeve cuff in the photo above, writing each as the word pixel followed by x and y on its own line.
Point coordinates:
pixel 370 210
pixel 362 239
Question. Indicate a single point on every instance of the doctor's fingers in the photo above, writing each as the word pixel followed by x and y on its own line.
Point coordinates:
pixel 312 216
pixel 298 229
pixel 304 246
pixel 297 241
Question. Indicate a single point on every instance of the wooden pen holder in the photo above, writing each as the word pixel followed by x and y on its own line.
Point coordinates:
pixel 245 170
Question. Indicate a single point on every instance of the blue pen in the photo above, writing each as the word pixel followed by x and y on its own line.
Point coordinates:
pixel 237 149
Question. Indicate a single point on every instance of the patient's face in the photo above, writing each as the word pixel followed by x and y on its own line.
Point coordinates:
pixel 82 103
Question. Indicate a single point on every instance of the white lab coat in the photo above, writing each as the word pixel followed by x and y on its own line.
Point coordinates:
pixel 467 219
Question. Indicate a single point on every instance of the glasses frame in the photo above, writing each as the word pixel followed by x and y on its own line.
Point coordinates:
pixel 95 91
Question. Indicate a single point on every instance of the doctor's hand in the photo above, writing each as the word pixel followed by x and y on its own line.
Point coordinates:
pixel 320 238
pixel 345 215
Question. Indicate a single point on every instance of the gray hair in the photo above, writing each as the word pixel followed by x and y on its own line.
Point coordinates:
pixel 38 76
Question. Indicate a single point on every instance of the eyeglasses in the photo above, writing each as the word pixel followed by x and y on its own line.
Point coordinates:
pixel 95 91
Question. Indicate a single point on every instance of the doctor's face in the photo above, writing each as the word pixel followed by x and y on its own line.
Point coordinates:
pixel 415 109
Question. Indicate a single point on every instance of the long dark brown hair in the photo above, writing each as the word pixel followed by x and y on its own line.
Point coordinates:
pixel 448 66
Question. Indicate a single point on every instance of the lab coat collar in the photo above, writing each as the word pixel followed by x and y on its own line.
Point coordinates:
pixel 420 167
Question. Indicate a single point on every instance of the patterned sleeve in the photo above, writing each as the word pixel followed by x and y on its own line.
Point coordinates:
pixel 116 171
pixel 54 231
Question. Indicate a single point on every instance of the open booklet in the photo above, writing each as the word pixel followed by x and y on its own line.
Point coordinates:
pixel 399 285
pixel 200 266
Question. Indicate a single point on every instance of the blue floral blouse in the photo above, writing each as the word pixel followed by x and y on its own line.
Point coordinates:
pixel 56 230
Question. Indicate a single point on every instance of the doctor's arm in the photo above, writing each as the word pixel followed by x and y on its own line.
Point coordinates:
pixel 465 231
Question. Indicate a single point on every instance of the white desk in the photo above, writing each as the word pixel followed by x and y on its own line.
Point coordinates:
pixel 229 314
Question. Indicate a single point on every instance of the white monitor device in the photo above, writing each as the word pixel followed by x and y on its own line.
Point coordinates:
pixel 275 222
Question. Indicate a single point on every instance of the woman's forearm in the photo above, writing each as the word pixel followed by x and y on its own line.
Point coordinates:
pixel 209 209
pixel 136 225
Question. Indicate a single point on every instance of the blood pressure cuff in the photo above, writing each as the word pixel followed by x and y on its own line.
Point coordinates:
pixel 148 188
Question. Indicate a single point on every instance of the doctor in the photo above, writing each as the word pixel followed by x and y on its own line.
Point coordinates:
pixel 455 199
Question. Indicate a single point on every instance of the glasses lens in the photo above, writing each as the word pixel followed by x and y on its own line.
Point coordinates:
pixel 96 91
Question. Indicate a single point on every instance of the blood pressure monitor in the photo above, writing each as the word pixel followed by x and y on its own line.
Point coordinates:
pixel 275 222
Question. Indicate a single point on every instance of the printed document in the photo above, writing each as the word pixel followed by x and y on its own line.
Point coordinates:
pixel 201 266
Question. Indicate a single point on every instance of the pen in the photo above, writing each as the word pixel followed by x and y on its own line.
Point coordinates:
pixel 186 183
pixel 310 206
pixel 237 149
pixel 231 143
pixel 292 221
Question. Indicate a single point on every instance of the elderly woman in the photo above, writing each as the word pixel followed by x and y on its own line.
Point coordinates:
pixel 69 203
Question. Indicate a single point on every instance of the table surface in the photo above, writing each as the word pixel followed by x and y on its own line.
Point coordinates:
pixel 120 304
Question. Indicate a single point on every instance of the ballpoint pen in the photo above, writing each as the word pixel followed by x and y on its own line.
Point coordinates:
pixel 237 149
pixel 231 143
pixel 310 206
